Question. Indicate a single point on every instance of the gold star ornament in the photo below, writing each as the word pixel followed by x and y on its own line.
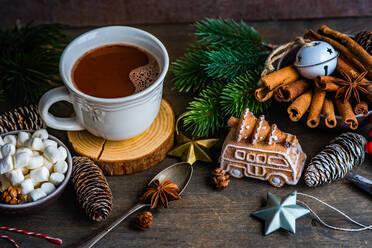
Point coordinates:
pixel 191 150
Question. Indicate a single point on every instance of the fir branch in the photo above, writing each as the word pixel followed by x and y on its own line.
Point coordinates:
pixel 227 63
pixel 239 95
pixel 203 116
pixel 29 58
pixel 217 32
pixel 187 75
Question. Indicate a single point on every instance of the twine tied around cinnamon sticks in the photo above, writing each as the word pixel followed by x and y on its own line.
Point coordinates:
pixel 280 52
pixel 328 93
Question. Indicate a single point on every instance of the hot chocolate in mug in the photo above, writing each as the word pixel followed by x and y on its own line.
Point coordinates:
pixel 110 118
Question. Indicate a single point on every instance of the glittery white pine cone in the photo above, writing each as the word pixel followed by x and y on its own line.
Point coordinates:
pixel 335 160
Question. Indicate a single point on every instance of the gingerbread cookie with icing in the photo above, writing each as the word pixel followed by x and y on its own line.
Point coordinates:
pixel 254 148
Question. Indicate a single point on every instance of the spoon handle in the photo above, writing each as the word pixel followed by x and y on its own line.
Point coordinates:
pixel 97 236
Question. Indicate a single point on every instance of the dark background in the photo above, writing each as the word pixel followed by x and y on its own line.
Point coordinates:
pixel 82 13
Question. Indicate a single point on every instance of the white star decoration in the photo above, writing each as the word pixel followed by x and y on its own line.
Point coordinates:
pixel 281 214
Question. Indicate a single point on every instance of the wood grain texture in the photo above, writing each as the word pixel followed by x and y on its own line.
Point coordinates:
pixel 132 155
pixel 97 12
pixel 205 217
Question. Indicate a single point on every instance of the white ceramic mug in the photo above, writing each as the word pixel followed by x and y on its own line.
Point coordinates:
pixel 110 118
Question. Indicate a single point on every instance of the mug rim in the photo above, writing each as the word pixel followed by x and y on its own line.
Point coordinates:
pixel 70 86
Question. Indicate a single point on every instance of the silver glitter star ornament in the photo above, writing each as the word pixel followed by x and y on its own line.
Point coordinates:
pixel 281 214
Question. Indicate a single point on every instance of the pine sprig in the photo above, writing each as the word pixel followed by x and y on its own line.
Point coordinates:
pixel 29 58
pixel 223 67
pixel 203 116
pixel 239 95
pixel 187 76
pixel 227 63
pixel 220 32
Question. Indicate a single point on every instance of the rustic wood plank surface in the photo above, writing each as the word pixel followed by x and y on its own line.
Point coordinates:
pixel 205 217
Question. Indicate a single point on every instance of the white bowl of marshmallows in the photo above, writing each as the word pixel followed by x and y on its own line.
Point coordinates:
pixel 37 164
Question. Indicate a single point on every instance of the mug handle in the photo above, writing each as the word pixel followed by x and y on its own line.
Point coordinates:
pixel 47 100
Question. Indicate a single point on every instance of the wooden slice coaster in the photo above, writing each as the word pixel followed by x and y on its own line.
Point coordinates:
pixel 132 155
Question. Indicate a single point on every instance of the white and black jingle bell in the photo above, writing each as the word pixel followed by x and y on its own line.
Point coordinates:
pixel 317 58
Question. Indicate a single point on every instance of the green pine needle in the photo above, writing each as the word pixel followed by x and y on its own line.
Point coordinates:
pixel 239 95
pixel 203 116
pixel 187 75
pixel 29 58
pixel 217 32
pixel 227 63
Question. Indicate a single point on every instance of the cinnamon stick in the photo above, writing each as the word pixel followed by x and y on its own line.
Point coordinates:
pixel 347 114
pixel 344 67
pixel 316 108
pixel 298 108
pixel 283 76
pixel 326 83
pixel 329 113
pixel 361 108
pixel 351 44
pixel 339 47
pixel 288 92
pixel 263 94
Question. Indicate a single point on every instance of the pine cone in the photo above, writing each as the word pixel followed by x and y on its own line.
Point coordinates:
pixel 219 178
pixel 364 38
pixel 12 195
pixel 22 118
pixel 92 190
pixel 335 160
pixel 144 220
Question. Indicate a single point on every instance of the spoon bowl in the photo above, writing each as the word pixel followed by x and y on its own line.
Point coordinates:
pixel 179 174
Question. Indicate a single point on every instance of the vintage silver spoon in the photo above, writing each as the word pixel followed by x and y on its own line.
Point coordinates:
pixel 179 174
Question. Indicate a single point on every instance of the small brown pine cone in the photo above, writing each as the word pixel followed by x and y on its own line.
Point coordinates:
pixel 91 187
pixel 22 118
pixel 220 178
pixel 12 195
pixel 144 220
pixel 364 38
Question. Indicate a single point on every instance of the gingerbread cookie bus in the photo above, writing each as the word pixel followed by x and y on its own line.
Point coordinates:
pixel 255 149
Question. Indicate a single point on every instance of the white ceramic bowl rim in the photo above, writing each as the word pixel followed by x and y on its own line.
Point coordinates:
pixel 59 188
pixel 126 98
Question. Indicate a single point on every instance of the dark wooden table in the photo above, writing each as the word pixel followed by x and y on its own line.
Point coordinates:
pixel 205 217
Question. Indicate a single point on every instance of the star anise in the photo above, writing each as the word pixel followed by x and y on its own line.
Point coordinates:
pixel 352 87
pixel 165 190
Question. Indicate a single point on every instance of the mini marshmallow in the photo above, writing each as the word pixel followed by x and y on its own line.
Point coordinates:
pixel 56 178
pixel 27 186
pixel 48 188
pixel 41 133
pixel 36 162
pixel 37 194
pixel 21 159
pixel 23 149
pixel 16 176
pixel 52 154
pixel 1 141
pixel 6 164
pixel 39 175
pixel 63 153
pixel 22 138
pixel 61 167
pixel 35 143
pixel 48 164
pixel 10 139
pixel 48 142
pixel 8 149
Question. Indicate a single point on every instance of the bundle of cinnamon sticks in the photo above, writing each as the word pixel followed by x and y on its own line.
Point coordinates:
pixel 349 91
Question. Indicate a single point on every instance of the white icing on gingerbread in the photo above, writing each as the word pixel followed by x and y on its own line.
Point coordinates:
pixel 255 137
pixel 273 137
